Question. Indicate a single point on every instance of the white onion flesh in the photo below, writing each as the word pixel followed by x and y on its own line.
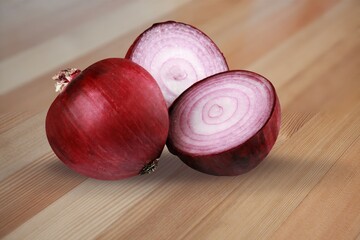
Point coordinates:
pixel 177 55
pixel 221 112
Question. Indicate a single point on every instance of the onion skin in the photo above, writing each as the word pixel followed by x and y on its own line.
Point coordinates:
pixel 109 122
pixel 237 160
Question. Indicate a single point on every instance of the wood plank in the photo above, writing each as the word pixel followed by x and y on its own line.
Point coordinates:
pixel 33 188
pixel 107 201
pixel 285 62
pixel 335 194
pixel 244 44
pixel 330 77
pixel 9 120
pixel 22 145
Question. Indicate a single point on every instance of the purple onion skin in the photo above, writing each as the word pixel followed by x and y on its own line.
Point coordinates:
pixel 109 122
pixel 240 159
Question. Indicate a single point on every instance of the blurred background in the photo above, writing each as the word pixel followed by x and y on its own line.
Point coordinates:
pixel 280 40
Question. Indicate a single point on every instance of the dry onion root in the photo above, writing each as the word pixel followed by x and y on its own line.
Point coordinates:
pixel 225 124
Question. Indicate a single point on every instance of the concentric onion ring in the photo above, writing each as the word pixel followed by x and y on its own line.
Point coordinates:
pixel 222 122
pixel 177 55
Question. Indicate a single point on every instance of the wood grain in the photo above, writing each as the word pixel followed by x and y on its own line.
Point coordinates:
pixel 307 188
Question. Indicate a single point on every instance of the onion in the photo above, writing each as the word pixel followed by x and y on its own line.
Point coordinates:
pixel 225 124
pixel 110 122
pixel 176 55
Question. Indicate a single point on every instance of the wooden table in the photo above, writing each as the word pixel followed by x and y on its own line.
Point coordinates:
pixel 307 188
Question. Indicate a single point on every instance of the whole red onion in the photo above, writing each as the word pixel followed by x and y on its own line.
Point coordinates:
pixel 176 55
pixel 110 121
pixel 225 124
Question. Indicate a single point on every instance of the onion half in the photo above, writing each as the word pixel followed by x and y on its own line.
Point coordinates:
pixel 225 124
pixel 176 55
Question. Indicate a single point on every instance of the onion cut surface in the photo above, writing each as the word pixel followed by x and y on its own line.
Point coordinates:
pixel 225 124
pixel 176 55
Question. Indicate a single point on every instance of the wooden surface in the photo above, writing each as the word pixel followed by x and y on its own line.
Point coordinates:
pixel 307 188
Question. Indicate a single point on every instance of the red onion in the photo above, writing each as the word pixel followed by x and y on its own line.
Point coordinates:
pixel 225 124
pixel 110 121
pixel 176 55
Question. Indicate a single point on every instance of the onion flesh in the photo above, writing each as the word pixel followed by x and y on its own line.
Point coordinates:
pixel 225 124
pixel 177 55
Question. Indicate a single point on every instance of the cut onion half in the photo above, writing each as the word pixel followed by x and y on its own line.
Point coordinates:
pixel 225 124
pixel 177 55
